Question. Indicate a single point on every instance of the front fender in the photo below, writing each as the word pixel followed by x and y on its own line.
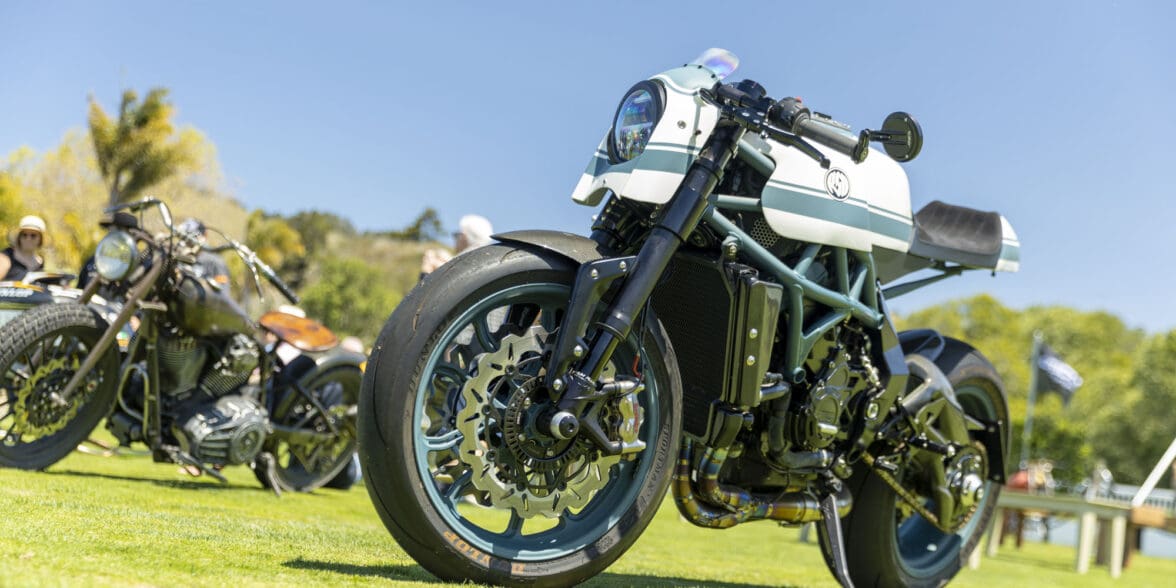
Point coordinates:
pixel 576 248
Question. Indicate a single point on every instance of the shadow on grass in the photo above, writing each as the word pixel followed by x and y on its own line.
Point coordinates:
pixel 418 574
pixel 203 485
pixel 388 572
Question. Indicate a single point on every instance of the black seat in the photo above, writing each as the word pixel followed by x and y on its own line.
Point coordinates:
pixel 957 234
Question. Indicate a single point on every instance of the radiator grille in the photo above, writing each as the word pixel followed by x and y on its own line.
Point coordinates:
pixel 694 304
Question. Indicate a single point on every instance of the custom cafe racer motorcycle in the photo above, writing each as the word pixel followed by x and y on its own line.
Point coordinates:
pixel 723 332
pixel 198 382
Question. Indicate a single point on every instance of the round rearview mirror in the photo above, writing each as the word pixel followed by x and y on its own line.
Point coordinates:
pixel 905 136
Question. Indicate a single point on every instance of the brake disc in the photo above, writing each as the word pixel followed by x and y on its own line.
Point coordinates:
pixel 514 464
pixel 37 410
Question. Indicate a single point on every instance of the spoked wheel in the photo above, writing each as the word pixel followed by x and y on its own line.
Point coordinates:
pixel 889 540
pixel 39 353
pixel 456 442
pixel 314 438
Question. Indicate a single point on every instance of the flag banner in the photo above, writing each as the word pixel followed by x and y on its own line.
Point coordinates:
pixel 1055 375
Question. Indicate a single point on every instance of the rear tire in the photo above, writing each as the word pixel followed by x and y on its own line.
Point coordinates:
pixel 40 351
pixel 304 466
pixel 408 422
pixel 880 549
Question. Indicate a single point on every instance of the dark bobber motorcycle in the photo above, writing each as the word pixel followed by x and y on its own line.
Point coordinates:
pixel 198 381
pixel 723 332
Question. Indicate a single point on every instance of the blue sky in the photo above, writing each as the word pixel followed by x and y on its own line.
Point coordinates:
pixel 1059 116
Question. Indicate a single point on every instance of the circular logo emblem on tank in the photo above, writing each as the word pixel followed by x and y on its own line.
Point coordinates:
pixel 837 184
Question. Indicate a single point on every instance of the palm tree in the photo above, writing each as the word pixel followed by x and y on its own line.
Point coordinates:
pixel 139 149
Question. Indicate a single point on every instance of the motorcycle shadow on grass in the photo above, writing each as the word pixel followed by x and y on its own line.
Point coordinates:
pixel 209 485
pixel 415 573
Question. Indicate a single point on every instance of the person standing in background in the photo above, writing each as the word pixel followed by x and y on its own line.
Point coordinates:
pixel 21 255
pixel 473 231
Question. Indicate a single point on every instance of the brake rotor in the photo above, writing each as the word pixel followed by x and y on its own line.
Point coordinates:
pixel 37 410
pixel 515 464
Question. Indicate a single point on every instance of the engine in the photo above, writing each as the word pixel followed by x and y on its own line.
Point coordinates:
pixel 804 430
pixel 229 432
pixel 214 417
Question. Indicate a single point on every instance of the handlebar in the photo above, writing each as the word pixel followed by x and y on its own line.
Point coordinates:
pixel 273 278
pixel 748 103
pixel 802 123
pixel 258 266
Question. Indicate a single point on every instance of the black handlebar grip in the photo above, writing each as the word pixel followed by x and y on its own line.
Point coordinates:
pixel 856 148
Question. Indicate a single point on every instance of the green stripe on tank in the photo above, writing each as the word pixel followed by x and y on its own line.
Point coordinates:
pixel 653 160
pixel 827 209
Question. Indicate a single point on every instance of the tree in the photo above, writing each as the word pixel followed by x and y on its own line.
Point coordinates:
pixel 277 244
pixel 141 148
pixel 315 227
pixel 426 227
pixel 11 204
pixel 1140 418
pixel 350 296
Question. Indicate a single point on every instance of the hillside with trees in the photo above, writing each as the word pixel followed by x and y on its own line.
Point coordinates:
pixel 138 151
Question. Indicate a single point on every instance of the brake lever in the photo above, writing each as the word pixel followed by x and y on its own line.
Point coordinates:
pixel 786 138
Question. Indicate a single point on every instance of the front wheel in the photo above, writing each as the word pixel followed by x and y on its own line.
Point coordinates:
pixel 456 461
pixel 40 351
pixel 888 543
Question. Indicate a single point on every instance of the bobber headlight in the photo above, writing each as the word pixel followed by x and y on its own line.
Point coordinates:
pixel 116 255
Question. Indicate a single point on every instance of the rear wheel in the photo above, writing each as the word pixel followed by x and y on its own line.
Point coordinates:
pixel 39 353
pixel 888 543
pixel 314 438
pixel 458 468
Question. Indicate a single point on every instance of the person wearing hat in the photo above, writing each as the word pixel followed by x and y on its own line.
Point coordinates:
pixel 473 231
pixel 21 256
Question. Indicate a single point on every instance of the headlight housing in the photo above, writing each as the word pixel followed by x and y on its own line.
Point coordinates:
pixel 116 255
pixel 635 120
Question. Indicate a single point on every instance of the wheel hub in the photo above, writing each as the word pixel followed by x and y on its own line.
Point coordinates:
pixel 39 411
pixel 515 462
pixel 965 479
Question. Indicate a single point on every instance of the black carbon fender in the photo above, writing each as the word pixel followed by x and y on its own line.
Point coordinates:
pixel 925 342
pixel 577 248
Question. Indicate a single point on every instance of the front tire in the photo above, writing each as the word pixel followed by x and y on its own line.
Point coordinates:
pixel 887 544
pixel 40 351
pixel 431 382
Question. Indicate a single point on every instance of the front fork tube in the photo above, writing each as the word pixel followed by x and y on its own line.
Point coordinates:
pixel 576 364
pixel 130 307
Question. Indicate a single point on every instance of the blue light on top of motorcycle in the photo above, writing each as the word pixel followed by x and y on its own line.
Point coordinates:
pixel 115 257
pixel 635 119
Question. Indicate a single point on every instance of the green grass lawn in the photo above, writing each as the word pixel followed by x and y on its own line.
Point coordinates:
pixel 125 521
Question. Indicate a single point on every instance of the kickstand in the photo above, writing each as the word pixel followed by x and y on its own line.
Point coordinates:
pixel 267 465
pixel 185 459
pixel 834 541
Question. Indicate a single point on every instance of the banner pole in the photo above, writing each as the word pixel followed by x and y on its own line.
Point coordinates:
pixel 1027 430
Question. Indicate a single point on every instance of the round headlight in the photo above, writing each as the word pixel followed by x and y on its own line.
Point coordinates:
pixel 633 125
pixel 115 256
